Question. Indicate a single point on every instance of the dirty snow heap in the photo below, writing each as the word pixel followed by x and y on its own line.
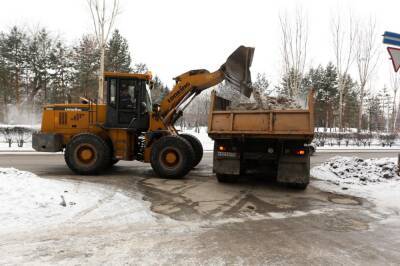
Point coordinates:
pixel 258 101
pixel 373 179
pixel 353 170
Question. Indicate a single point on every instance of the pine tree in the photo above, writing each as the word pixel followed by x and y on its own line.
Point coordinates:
pixel 38 63
pixel 61 77
pixel 117 55
pixel 5 78
pixel 85 60
pixel 350 103
pixel 158 91
pixel 262 84
pixel 13 51
pixel 324 83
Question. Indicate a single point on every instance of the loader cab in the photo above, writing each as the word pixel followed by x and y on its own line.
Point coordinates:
pixel 128 101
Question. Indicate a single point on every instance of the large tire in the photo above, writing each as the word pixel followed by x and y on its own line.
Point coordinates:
pixel 197 147
pixel 172 157
pixel 222 178
pixel 87 154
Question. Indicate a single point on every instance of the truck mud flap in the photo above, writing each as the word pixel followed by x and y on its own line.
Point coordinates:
pixel 226 167
pixel 294 170
pixel 47 142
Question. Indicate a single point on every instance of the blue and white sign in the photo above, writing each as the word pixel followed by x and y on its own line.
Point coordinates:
pixel 391 38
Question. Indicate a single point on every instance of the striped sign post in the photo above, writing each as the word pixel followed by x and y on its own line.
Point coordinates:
pixel 392 38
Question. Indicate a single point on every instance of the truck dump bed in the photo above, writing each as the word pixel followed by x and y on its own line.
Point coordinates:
pixel 273 124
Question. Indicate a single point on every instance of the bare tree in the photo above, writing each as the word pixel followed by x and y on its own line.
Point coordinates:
pixel 366 58
pixel 344 39
pixel 197 112
pixel 394 85
pixel 103 18
pixel 294 49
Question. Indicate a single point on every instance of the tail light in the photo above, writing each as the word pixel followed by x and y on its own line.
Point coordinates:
pixel 300 152
pixel 221 148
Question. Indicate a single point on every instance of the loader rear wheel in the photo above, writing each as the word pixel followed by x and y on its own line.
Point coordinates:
pixel 87 154
pixel 172 157
pixel 197 147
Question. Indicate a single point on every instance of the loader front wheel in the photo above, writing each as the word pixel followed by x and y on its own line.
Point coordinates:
pixel 197 147
pixel 87 154
pixel 172 157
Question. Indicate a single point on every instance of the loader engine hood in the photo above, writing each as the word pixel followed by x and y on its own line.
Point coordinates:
pixel 237 69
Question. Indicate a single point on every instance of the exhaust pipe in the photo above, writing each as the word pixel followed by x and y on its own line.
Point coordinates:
pixel 237 69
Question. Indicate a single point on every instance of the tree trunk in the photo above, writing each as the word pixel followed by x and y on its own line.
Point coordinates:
pixel 101 76
pixel 394 112
pixel 17 88
pixel 360 110
pixel 341 89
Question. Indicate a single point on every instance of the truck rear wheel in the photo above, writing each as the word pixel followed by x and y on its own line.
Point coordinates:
pixel 197 147
pixel 172 157
pixel 87 154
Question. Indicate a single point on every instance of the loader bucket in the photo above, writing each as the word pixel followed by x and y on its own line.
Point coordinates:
pixel 237 69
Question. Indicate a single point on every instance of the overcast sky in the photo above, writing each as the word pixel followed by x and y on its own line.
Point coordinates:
pixel 175 36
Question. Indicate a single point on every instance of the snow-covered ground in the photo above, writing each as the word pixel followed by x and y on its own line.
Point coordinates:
pixel 14 147
pixel 31 126
pixel 372 179
pixel 29 202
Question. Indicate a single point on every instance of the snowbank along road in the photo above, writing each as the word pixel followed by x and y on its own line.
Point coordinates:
pixel 51 216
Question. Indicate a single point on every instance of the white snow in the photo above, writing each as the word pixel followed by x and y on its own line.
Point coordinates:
pixel 373 179
pixel 29 202
pixel 14 147
pixel 33 126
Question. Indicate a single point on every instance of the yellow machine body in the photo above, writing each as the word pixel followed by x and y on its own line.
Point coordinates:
pixel 131 132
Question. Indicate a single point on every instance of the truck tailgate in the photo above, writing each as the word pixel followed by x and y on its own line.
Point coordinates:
pixel 267 123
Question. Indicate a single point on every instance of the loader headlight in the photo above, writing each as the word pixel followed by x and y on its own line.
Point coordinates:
pixel 270 150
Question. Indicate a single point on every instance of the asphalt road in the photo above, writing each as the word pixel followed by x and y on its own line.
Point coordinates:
pixel 53 164
pixel 252 222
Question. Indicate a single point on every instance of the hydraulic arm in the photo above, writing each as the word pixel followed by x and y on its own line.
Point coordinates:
pixel 235 71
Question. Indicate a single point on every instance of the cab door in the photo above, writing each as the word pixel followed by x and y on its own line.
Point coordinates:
pixel 127 105
pixel 122 102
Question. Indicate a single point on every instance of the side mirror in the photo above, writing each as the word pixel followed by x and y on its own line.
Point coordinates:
pixel 156 107
pixel 151 84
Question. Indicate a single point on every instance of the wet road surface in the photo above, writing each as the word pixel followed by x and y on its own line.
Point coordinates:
pixel 253 222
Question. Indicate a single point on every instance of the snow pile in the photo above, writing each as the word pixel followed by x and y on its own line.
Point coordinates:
pixel 29 202
pixel 372 179
pixel 353 170
pixel 257 101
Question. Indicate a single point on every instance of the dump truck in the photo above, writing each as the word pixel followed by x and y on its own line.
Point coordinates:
pixel 94 136
pixel 270 143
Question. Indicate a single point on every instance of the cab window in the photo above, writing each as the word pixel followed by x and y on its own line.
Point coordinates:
pixel 113 91
pixel 127 94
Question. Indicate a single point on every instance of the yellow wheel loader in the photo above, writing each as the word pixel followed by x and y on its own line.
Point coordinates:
pixel 128 127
